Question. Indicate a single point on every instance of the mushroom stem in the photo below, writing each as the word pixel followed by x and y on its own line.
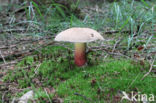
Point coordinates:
pixel 80 51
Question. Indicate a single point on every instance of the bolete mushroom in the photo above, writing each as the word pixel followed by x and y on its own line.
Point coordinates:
pixel 80 36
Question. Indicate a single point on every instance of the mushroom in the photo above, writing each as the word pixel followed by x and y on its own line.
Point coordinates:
pixel 80 36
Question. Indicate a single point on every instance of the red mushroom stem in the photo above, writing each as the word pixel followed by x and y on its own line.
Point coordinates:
pixel 80 54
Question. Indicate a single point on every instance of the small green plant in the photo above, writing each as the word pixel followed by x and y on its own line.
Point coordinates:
pixel 134 18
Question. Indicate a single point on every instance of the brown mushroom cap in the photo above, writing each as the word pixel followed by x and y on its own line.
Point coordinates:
pixel 78 34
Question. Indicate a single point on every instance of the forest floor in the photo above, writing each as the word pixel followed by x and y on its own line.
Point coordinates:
pixel 123 63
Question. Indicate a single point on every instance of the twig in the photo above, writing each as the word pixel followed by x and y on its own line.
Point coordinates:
pixel 24 53
pixel 12 30
pixel 6 47
pixel 133 81
pixel 48 95
pixel 36 69
pixel 9 64
pixel 86 98
pixel 95 10
pixel 2 57
pixel 151 67
pixel 67 47
pixel 115 45
pixel 107 51
pixel 20 9
pixel 116 31
pixel 3 96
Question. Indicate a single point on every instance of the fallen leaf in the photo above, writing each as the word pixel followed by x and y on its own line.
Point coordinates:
pixel 50 90
pixel 140 48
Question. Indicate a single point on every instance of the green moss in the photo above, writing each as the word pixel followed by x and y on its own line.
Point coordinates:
pixel 119 75
pixel 73 83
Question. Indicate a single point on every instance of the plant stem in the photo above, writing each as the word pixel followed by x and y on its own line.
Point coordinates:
pixel 80 54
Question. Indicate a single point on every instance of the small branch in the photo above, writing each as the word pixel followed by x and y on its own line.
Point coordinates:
pixel 36 69
pixel 151 67
pixel 2 57
pixel 12 30
pixel 3 96
pixel 20 9
pixel 116 31
pixel 9 64
pixel 115 45
pixel 86 98
pixel 95 9
pixel 48 95
pixel 7 47
pixel 103 48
